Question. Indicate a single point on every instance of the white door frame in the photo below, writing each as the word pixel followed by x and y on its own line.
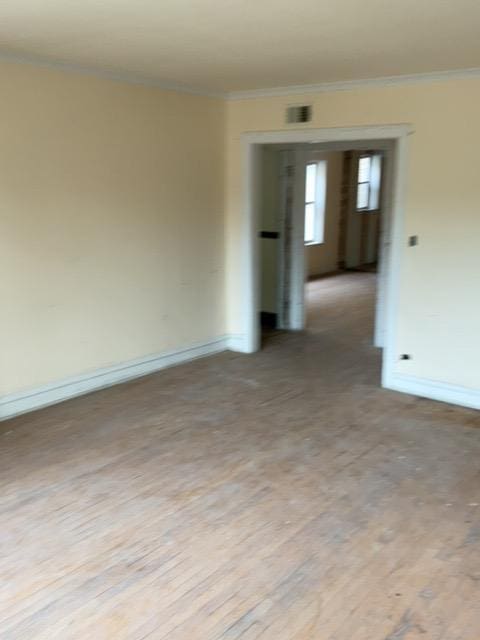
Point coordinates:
pixel 251 224
pixel 291 271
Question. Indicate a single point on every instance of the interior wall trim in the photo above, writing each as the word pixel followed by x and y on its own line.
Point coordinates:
pixel 353 85
pixel 237 342
pixel 53 393
pixel 434 390
pixel 287 90
pixel 114 76
pixel 248 290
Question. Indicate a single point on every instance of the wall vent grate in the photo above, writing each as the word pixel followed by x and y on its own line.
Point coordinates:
pixel 299 114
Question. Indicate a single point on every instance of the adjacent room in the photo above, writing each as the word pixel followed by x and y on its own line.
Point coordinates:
pixel 240 320
pixel 336 198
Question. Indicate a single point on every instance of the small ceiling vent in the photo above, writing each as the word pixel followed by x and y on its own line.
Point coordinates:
pixel 298 114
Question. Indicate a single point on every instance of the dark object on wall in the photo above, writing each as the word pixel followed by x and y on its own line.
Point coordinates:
pixel 269 234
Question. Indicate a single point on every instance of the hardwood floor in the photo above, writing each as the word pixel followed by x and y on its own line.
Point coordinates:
pixel 279 496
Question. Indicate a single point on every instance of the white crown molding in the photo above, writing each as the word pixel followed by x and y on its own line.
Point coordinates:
pixel 289 90
pixel 45 395
pixel 111 75
pixel 350 85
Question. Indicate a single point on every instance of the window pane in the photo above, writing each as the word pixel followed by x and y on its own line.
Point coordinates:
pixel 310 182
pixel 362 195
pixel 310 222
pixel 364 169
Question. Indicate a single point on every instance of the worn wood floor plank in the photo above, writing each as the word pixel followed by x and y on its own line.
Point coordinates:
pixel 277 496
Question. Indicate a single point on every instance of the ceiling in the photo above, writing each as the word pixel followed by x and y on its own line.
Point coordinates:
pixel 231 45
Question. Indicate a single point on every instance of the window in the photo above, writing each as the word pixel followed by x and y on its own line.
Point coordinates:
pixel 368 182
pixel 315 192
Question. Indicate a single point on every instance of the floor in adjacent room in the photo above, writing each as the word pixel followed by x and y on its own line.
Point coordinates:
pixel 277 496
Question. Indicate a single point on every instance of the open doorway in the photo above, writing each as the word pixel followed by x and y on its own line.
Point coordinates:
pixel 283 233
pixel 347 208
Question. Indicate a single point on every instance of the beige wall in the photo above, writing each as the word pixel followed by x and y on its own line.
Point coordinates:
pixel 439 312
pixel 323 258
pixel 112 220
pixel 111 223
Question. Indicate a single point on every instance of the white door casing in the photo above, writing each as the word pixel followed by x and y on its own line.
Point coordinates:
pixel 249 340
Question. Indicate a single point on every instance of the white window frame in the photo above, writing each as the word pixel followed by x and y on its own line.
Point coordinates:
pixel 373 182
pixel 319 202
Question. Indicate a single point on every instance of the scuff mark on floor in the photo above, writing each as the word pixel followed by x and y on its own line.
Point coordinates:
pixel 404 626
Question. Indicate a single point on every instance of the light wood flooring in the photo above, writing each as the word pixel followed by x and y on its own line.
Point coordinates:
pixel 278 496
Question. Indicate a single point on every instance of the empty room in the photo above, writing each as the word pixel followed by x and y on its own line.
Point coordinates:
pixel 240 320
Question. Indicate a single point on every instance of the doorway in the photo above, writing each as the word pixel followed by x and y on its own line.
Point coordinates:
pixel 293 148
pixel 348 206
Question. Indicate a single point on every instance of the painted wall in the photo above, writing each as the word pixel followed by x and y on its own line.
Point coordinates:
pixel 439 306
pixel 111 223
pixel 323 258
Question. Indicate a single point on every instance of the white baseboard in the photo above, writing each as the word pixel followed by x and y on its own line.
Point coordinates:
pixel 236 342
pixel 434 390
pixel 18 403
pixel 15 404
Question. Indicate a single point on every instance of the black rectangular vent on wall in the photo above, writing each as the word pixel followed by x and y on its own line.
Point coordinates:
pixel 298 114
